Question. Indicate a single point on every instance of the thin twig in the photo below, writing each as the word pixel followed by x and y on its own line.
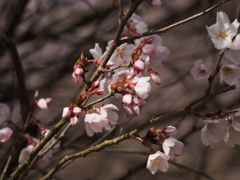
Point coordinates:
pixel 165 29
pixel 101 99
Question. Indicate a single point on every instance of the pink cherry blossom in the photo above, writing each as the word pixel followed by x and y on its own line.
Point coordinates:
pixel 5 134
pixel 213 131
pixel 235 121
pixel 131 104
pixel 231 137
pixel 4 112
pixel 233 53
pixel 122 55
pixel 230 74
pixel 94 123
pixel 142 87
pixel 25 153
pixel 172 147
pixel 157 161
pixel 42 103
pixel 135 26
pixel 106 111
pixel 96 52
pixel 199 71
pixel 222 32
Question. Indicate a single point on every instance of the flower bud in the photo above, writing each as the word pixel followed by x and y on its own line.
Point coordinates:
pixel 5 134
pixel 169 131
pixel 155 77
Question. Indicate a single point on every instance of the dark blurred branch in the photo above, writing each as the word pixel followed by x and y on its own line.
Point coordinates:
pixel 23 95
pixel 191 169
pixel 14 16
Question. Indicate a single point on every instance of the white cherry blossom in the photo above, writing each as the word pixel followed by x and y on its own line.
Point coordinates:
pixel 5 134
pixel 172 147
pixel 200 71
pixel 213 131
pixel 223 31
pixel 157 161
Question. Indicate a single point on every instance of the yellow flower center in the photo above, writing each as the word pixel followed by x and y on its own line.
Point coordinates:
pixel 156 161
pixel 223 34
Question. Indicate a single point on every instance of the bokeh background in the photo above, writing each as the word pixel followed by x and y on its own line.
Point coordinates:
pixel 50 35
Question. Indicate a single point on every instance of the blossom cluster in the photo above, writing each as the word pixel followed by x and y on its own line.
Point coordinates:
pixel 225 38
pixel 171 148
pixel 217 132
pixel 127 74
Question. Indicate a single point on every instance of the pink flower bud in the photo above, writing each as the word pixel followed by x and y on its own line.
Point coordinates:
pixel 74 120
pixel 133 73
pixel 5 134
pixel 98 91
pixel 155 77
pixel 139 65
pixel 77 110
pixel 169 131
pixel 78 70
pixel 42 103
pixel 66 112
pixel 94 85
pixel 76 78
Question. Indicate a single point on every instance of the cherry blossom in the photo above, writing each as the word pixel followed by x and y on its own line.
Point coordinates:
pixel 142 87
pixel 135 26
pixel 231 137
pixel 94 123
pixel 131 104
pixel 172 147
pixel 4 112
pixel 235 121
pixel 46 157
pixel 199 71
pixel 122 55
pixel 42 103
pixel 233 53
pixel 5 134
pixel 213 131
pixel 106 111
pixel 230 74
pixel 223 32
pixel 157 161
pixel 25 153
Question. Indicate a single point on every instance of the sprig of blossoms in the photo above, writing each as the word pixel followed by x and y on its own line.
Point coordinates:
pixel 171 148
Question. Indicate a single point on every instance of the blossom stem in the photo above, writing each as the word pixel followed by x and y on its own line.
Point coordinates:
pixel 165 29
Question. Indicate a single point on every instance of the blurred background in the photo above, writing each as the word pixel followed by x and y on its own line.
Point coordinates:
pixel 50 35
